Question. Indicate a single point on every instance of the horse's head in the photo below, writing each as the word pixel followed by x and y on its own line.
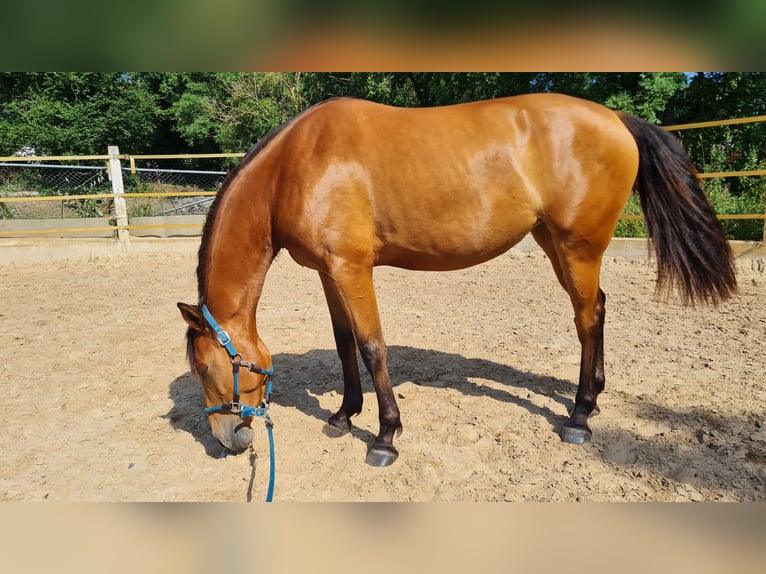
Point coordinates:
pixel 234 379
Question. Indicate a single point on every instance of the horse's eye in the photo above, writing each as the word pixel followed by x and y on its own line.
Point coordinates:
pixel 204 371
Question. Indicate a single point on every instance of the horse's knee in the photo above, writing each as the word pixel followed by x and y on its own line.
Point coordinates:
pixel 589 328
pixel 373 354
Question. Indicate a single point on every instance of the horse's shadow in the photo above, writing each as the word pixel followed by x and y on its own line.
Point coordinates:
pixel 186 413
pixel 319 372
pixel 301 380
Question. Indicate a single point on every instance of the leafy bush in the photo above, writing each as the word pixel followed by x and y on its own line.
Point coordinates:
pixel 631 227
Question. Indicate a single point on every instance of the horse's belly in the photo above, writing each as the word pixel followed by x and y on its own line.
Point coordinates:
pixel 456 245
pixel 465 216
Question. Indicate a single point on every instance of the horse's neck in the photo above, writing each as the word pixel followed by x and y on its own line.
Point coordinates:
pixel 240 253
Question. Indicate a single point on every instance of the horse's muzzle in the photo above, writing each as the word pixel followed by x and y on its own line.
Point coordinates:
pixel 235 437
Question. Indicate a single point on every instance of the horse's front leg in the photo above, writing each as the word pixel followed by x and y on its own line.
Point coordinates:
pixel 382 452
pixel 355 292
pixel 345 343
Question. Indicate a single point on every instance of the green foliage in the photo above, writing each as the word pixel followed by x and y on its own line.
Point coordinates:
pixel 650 95
pixel 726 203
pixel 5 212
pixel 252 104
pixel 90 208
pixel 631 227
pixel 141 210
pixel 230 112
pixel 734 195
pixel 66 113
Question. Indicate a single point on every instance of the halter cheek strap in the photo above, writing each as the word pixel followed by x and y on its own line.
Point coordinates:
pixel 235 406
pixel 223 336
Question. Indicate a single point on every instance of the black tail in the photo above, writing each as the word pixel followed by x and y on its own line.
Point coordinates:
pixel 691 249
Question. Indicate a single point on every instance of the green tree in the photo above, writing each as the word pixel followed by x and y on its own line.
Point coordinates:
pixel 75 113
pixel 384 87
pixel 649 97
pixel 229 111
pixel 168 88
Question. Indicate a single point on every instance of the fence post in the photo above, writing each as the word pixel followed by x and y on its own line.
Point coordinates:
pixel 118 188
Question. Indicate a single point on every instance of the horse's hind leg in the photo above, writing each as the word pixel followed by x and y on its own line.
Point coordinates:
pixel 345 343
pixel 577 266
pixel 544 240
pixel 588 303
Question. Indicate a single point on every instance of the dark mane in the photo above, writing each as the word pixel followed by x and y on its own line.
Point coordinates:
pixel 207 229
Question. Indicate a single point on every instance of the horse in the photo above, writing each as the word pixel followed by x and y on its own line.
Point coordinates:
pixel 349 184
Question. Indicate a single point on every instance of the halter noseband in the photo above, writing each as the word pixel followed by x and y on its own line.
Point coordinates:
pixel 235 406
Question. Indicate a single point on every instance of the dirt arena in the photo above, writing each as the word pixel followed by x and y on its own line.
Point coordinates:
pixel 99 405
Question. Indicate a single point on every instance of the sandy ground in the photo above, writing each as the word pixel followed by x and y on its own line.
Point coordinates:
pixel 99 405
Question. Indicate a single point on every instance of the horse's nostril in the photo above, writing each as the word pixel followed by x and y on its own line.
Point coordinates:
pixel 243 437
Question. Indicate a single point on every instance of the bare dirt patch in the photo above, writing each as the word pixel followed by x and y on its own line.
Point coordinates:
pixel 98 403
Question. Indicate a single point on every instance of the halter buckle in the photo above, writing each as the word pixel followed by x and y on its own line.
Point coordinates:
pixel 223 337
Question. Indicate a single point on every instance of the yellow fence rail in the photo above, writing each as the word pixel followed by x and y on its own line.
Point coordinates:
pixel 716 123
pixel 58 230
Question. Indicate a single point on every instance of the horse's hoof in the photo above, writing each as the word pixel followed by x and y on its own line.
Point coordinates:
pixel 334 431
pixel 380 456
pixel 575 435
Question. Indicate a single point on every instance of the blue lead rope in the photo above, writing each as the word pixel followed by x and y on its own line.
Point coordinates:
pixel 235 406
pixel 270 492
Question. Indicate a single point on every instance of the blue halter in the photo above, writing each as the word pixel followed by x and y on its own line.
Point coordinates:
pixel 235 406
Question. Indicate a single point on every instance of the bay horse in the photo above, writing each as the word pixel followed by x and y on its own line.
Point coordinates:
pixel 348 184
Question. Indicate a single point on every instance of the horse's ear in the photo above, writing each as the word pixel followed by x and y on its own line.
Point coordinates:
pixel 192 316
